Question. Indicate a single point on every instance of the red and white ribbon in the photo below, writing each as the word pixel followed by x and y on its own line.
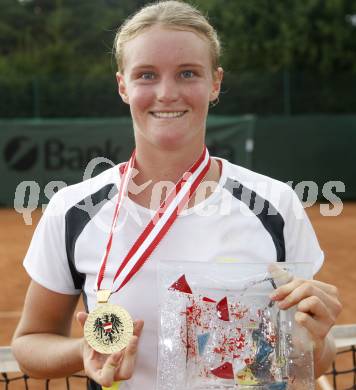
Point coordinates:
pixel 158 226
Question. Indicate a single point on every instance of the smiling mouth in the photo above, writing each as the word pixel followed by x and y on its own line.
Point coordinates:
pixel 167 115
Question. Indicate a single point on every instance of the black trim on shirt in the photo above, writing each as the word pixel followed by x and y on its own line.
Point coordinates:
pixel 93 385
pixel 270 218
pixel 76 219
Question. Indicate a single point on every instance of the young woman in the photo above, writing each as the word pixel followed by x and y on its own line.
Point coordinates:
pixel 168 73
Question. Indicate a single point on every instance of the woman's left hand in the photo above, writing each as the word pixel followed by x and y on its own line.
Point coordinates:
pixel 318 307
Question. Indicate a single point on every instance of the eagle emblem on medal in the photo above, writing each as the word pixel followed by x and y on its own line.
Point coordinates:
pixel 108 328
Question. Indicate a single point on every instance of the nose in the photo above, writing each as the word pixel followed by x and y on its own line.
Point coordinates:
pixel 167 90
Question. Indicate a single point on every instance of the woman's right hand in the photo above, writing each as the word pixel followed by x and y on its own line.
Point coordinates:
pixel 106 369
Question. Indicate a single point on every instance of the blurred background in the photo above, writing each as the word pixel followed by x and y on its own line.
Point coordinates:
pixel 291 64
pixel 280 57
pixel 287 109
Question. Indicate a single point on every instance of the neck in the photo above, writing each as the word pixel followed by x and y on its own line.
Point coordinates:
pixel 155 166
pixel 161 165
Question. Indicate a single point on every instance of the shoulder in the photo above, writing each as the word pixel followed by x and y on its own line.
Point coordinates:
pixel 279 210
pixel 89 191
pixel 249 186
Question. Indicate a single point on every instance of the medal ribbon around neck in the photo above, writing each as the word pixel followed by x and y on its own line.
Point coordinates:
pixel 158 226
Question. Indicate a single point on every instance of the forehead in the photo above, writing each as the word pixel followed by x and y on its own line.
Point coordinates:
pixel 159 46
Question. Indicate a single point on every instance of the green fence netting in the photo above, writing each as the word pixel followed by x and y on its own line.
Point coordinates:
pixel 39 156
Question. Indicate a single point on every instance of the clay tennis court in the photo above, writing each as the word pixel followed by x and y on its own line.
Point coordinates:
pixel 337 236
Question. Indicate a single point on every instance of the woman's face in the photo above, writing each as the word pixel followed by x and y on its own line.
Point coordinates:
pixel 168 83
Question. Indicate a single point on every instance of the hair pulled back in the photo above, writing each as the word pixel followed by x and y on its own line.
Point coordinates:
pixel 170 14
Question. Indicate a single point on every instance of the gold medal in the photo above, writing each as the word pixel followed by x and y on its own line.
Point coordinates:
pixel 108 328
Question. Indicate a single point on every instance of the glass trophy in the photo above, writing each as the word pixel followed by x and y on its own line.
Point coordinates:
pixel 219 329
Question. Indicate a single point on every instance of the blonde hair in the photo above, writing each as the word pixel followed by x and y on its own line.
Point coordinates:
pixel 172 14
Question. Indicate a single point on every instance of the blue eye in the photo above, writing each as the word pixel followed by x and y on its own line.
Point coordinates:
pixel 188 74
pixel 147 76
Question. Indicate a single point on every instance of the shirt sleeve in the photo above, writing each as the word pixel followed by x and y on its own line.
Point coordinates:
pixel 46 260
pixel 300 238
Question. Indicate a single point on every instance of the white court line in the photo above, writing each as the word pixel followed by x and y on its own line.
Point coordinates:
pixel 10 314
pixel 8 362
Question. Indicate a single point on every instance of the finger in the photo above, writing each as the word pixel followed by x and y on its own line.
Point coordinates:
pixel 321 310
pixel 93 361
pixel 283 291
pixel 317 330
pixel 105 376
pixel 316 308
pixel 138 326
pixel 306 290
pixel 327 288
pixel 94 355
pixel 81 318
pixel 286 289
pixel 128 362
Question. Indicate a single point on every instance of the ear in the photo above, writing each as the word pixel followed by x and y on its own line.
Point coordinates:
pixel 121 87
pixel 216 85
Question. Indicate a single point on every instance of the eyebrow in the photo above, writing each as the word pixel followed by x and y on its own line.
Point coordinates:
pixel 148 66
pixel 192 65
pixel 138 67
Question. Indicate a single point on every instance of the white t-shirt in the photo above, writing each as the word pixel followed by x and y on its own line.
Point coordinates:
pixel 249 217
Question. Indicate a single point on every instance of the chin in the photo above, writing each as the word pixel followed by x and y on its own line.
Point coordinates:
pixel 171 142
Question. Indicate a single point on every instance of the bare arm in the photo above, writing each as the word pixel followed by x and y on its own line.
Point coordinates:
pixel 41 342
pixel 43 348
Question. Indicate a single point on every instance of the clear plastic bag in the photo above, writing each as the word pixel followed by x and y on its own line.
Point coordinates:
pixel 220 330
